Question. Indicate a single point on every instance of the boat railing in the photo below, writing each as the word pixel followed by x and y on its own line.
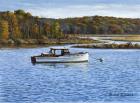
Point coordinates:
pixel 78 53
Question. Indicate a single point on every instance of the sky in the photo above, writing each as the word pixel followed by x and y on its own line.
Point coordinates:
pixel 75 8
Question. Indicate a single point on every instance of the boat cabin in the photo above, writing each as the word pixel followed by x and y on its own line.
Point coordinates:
pixel 59 52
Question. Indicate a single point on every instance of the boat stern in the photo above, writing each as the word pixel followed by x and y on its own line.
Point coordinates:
pixel 33 59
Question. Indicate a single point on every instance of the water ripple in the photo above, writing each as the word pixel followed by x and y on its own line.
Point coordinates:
pixel 116 79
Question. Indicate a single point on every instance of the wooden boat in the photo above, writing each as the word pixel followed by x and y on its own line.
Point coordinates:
pixel 61 55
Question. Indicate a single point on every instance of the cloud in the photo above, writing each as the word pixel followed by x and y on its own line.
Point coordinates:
pixel 75 8
pixel 117 10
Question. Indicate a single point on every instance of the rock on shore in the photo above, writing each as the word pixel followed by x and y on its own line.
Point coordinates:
pixel 110 46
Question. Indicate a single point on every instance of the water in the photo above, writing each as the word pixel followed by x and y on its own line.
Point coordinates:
pixel 116 79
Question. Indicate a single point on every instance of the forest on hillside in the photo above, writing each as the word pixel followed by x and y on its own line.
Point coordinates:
pixel 21 24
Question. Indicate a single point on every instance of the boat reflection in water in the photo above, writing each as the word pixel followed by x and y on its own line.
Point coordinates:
pixel 63 65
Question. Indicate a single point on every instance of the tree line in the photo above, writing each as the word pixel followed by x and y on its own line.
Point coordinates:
pixel 100 25
pixel 21 24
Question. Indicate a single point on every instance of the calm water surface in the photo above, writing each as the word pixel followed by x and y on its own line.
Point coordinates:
pixel 117 79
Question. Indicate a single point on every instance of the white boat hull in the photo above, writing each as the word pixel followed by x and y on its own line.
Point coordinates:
pixel 72 58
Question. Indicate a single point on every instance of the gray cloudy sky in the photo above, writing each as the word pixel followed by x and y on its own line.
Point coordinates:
pixel 75 8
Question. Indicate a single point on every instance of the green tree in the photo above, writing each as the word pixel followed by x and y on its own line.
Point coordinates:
pixel 56 30
pixel 20 12
pixel 95 29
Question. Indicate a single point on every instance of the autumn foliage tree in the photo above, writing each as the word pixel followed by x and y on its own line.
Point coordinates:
pixel 35 31
pixel 4 30
pixel 13 26
pixel 47 29
pixel 21 24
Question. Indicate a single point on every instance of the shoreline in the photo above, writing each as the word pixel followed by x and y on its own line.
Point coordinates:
pixel 32 43
pixel 109 46
pixel 76 42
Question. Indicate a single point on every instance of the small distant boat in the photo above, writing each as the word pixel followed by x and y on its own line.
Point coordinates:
pixel 60 55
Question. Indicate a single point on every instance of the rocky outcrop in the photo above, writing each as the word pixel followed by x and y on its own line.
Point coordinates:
pixel 110 46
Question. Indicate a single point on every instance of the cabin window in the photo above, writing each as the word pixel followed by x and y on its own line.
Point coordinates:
pixel 58 52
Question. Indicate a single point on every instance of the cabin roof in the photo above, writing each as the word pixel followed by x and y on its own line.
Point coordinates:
pixel 59 49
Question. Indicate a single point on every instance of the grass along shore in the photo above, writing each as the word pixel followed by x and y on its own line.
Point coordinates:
pixel 132 39
pixel 109 46
pixel 116 37
pixel 44 42
pixel 86 42
pixel 106 45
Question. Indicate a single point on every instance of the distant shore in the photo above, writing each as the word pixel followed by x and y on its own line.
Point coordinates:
pixel 112 42
pixel 43 42
pixel 96 42
pixel 109 46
